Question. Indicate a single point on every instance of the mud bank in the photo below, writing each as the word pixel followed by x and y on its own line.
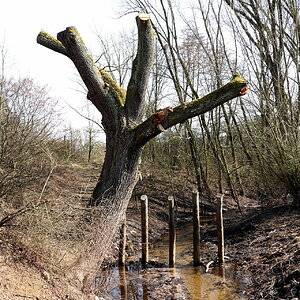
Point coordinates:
pixel 266 245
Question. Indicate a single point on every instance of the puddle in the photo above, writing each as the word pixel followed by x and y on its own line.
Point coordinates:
pixel 184 281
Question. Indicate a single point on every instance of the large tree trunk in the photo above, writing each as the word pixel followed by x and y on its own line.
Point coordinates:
pixel 119 171
pixel 122 119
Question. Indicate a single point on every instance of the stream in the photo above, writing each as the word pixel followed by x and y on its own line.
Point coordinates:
pixel 183 281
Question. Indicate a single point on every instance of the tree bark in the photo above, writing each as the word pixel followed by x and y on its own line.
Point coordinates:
pixel 126 132
pixel 119 169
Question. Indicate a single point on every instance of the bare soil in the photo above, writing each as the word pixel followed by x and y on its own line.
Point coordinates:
pixel 266 246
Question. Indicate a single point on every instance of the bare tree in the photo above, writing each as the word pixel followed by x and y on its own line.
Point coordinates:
pixel 270 40
pixel 26 123
pixel 123 116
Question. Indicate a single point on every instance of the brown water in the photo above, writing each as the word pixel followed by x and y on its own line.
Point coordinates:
pixel 219 283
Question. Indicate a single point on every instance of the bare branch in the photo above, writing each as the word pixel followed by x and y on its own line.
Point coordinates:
pixel 102 90
pixel 98 90
pixel 51 43
pixel 149 129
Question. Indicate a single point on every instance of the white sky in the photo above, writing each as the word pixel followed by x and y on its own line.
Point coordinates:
pixel 20 23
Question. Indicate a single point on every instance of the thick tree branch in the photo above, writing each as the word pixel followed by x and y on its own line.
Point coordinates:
pixel 151 127
pixel 51 42
pixel 141 68
pixel 98 90
pixel 101 88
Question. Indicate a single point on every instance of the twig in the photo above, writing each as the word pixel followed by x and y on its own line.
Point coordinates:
pixel 23 296
pixel 45 184
pixel 6 219
pixel 208 265
pixel 85 117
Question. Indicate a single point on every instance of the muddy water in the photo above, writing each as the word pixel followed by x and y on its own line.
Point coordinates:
pixel 220 283
pixel 184 281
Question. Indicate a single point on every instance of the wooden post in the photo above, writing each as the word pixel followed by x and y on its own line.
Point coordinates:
pixel 122 244
pixel 220 228
pixel 144 214
pixel 196 228
pixel 172 232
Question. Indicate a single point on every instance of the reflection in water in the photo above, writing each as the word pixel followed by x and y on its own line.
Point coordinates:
pixel 221 283
pixel 145 290
pixel 123 283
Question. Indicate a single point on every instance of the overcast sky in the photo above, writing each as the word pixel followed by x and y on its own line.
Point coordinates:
pixel 21 21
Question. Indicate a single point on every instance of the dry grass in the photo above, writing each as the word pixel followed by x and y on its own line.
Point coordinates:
pixel 57 232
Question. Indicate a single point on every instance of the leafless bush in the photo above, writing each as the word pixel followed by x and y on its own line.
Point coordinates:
pixel 26 121
pixel 58 227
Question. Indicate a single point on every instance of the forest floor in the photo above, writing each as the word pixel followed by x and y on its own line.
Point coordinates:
pixel 264 243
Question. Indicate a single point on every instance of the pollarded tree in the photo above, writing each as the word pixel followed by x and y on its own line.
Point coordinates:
pixel 123 116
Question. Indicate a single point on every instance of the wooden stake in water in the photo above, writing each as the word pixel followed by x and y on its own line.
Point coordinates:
pixel 144 215
pixel 220 228
pixel 122 244
pixel 123 282
pixel 172 232
pixel 196 228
